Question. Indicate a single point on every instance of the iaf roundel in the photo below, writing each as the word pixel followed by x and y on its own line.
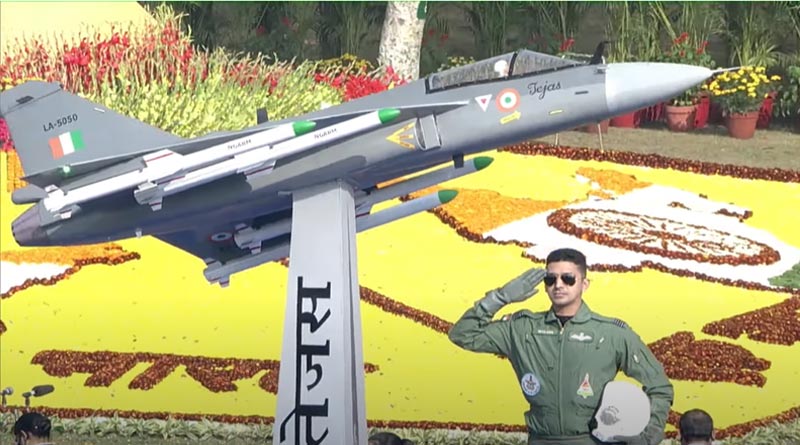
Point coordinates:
pixel 507 100
pixel 530 384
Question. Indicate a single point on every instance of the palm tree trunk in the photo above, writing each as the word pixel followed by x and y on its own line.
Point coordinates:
pixel 401 38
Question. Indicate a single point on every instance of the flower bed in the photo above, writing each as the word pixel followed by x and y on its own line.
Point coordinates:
pixel 393 310
pixel 72 258
pixel 214 374
pixel 154 74
pixel 685 358
pixel 653 160
pixel 776 324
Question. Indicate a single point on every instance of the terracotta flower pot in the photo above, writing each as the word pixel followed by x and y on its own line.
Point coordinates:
pixel 680 118
pixel 742 126
pixel 630 120
pixel 592 128
pixel 702 112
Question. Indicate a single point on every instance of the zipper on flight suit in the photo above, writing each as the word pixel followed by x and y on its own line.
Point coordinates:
pixel 560 371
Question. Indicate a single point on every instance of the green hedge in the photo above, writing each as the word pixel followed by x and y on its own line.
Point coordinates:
pixel 214 104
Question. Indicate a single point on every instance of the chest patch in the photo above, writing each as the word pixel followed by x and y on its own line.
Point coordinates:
pixel 530 384
pixel 546 332
pixel 585 389
pixel 581 337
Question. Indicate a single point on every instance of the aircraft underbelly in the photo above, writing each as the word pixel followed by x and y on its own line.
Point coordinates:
pixel 230 198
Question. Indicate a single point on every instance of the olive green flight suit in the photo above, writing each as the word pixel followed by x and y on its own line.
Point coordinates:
pixel 562 370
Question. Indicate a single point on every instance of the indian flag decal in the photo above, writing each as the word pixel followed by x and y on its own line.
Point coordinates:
pixel 66 143
pixel 507 100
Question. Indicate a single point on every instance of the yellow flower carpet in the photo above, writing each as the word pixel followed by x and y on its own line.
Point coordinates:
pixel 683 253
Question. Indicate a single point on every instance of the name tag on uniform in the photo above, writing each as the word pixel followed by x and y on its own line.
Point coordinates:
pixel 546 332
pixel 582 337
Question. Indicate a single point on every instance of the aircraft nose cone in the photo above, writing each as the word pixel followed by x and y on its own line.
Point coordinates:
pixel 27 230
pixel 632 86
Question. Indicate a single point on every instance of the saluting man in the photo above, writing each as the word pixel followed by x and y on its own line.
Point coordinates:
pixel 564 357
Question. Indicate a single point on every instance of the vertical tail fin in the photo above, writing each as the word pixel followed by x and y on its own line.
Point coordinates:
pixel 55 132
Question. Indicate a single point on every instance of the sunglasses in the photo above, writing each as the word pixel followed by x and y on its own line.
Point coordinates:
pixel 567 278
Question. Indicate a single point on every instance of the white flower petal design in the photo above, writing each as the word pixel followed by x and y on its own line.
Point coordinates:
pixel 674 228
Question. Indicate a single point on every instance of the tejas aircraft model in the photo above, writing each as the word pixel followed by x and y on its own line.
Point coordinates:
pixel 303 187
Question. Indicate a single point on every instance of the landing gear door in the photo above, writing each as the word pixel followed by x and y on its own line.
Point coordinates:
pixel 428 132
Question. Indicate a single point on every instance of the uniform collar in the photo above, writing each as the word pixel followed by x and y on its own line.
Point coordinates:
pixel 582 316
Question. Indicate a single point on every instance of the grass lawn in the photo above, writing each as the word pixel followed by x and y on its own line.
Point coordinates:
pixel 771 148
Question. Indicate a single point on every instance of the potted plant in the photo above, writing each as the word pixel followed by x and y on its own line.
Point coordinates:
pixel 741 95
pixel 702 110
pixel 680 111
pixel 690 109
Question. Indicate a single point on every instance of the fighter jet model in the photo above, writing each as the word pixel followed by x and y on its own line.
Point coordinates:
pixel 96 176
pixel 302 187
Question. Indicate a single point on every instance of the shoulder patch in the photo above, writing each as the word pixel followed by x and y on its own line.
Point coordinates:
pixel 615 321
pixel 524 313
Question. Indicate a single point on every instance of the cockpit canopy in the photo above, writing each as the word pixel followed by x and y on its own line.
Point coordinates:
pixel 514 64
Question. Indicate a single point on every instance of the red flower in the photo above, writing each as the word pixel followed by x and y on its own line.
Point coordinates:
pixel 261 30
pixel 5 137
pixel 682 38
pixel 567 44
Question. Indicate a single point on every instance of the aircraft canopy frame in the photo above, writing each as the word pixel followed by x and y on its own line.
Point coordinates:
pixel 516 64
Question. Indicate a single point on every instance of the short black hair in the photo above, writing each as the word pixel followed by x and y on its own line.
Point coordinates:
pixel 35 424
pixel 385 438
pixel 696 424
pixel 570 255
